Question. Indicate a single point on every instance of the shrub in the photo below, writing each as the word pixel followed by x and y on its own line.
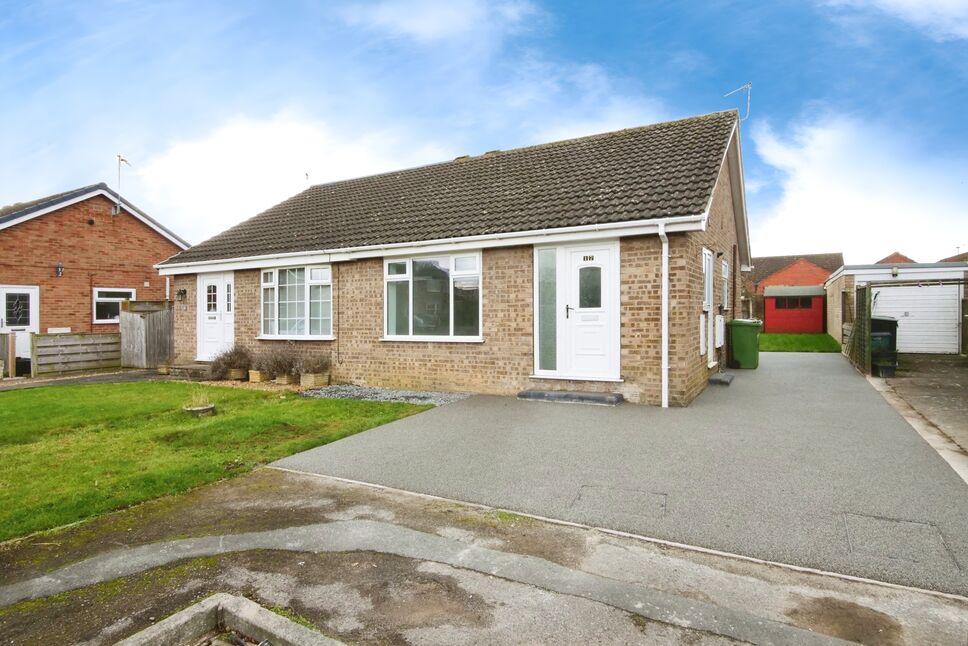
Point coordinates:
pixel 236 357
pixel 277 362
pixel 316 365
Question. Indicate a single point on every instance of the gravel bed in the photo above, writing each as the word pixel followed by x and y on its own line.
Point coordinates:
pixel 346 391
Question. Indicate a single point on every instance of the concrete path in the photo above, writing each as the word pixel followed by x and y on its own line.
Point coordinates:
pixel 373 536
pixel 936 385
pixel 800 462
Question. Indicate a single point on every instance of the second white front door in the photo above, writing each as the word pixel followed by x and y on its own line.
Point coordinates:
pixel 216 320
pixel 20 315
pixel 577 311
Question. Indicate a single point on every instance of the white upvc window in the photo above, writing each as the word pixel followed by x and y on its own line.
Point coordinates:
pixel 707 280
pixel 107 303
pixel 432 298
pixel 297 303
pixel 725 273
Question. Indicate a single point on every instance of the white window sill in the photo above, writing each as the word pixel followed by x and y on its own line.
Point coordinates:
pixel 107 322
pixel 713 364
pixel 435 339
pixel 294 337
pixel 616 380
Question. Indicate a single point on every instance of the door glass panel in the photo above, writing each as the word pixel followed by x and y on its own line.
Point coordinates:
pixel 211 298
pixel 590 287
pixel 398 307
pixel 17 307
pixel 467 295
pixel 228 297
pixel 547 310
pixel 431 296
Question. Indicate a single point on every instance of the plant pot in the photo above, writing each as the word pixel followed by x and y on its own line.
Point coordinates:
pixel 235 374
pixel 283 380
pixel 164 370
pixel 200 411
pixel 257 376
pixel 314 380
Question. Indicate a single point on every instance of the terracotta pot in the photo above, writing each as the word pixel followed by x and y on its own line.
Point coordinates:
pixel 314 380
pixel 236 374
pixel 283 380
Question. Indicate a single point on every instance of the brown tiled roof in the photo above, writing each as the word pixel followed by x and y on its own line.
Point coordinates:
pixel 665 169
pixel 769 265
pixel 961 257
pixel 893 259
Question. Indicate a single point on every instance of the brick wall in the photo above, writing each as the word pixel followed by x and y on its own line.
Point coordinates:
pixel 689 369
pixel 114 251
pixel 184 317
pixel 503 362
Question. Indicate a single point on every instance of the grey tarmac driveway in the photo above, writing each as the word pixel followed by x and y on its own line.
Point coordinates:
pixel 799 462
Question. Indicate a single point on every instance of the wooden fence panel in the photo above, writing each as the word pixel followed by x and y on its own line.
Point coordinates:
pixel 53 354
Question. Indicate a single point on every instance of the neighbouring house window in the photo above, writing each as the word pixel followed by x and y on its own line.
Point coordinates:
pixel 297 302
pixel 433 298
pixel 107 303
pixel 725 272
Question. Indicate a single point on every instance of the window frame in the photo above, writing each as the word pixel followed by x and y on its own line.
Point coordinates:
pixel 708 280
pixel 95 300
pixel 453 274
pixel 308 283
pixel 724 270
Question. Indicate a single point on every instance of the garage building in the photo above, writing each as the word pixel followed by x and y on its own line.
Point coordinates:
pixel 927 299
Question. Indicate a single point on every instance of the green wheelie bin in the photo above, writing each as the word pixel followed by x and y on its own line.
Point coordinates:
pixel 744 337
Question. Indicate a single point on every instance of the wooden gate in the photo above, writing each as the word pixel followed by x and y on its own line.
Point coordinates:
pixel 146 334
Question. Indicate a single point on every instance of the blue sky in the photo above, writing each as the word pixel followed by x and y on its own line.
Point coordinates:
pixel 856 141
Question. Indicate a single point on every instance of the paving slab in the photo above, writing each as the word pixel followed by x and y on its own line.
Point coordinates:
pixel 799 462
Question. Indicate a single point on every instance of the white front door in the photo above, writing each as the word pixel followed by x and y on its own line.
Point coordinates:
pixel 20 315
pixel 216 314
pixel 577 326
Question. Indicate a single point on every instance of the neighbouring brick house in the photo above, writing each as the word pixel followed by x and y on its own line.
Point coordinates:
pixel 605 263
pixel 68 260
pixel 786 292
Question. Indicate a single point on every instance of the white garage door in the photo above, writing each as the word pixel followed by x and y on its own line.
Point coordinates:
pixel 927 316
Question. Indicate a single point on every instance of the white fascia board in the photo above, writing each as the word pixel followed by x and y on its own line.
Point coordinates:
pixel 738 190
pixel 676 224
pixel 87 196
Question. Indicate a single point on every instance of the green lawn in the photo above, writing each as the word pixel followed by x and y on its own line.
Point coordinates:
pixel 798 343
pixel 72 452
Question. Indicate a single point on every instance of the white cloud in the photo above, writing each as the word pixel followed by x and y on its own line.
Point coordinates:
pixel 203 186
pixel 940 19
pixel 862 189
pixel 434 20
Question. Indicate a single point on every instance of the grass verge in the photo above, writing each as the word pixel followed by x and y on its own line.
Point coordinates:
pixel 73 452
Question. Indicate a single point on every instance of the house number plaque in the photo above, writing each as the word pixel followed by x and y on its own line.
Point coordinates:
pixel 588 259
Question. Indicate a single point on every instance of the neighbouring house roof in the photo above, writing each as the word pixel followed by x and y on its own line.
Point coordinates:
pixel 894 258
pixel 661 170
pixel 961 257
pixel 766 266
pixel 794 290
pixel 22 211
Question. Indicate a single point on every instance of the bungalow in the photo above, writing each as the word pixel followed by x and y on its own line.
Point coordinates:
pixel 68 260
pixel 607 263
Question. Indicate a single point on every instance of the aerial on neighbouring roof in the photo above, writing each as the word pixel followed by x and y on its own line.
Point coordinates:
pixel 666 169
pixel 894 258
pixel 21 211
pixel 768 265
